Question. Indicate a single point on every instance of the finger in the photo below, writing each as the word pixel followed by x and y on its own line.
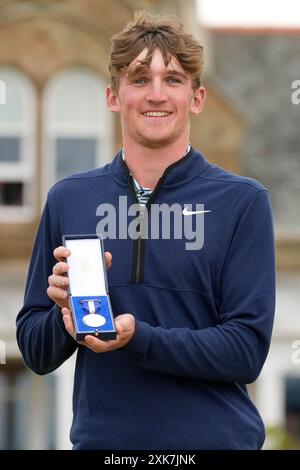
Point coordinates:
pixel 58 281
pixel 124 323
pixel 56 293
pixel 60 268
pixel 108 259
pixel 68 321
pixel 66 312
pixel 119 328
pixel 61 252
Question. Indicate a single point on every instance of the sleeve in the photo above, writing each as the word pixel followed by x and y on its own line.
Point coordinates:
pixel 42 338
pixel 236 348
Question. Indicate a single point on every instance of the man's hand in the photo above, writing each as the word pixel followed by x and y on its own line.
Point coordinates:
pixel 125 327
pixel 59 282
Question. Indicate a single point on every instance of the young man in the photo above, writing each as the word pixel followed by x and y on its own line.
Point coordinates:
pixel 194 321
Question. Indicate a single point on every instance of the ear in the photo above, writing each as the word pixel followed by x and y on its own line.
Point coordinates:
pixel 197 103
pixel 112 99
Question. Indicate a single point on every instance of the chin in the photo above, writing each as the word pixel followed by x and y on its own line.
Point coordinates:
pixel 157 141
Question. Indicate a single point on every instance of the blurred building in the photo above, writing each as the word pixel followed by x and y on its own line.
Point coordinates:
pixel 257 68
pixel 53 62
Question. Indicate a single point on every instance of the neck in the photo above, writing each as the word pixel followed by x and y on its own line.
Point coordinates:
pixel 148 164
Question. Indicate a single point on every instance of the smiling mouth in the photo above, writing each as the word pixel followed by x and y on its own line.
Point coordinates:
pixel 157 114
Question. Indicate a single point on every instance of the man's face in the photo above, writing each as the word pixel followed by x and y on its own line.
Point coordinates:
pixel 155 103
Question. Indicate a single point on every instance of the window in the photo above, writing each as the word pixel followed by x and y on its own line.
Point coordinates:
pixel 17 148
pixel 27 408
pixel 77 125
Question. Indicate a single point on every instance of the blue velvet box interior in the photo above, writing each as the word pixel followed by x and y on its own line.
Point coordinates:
pixel 88 281
pixel 106 331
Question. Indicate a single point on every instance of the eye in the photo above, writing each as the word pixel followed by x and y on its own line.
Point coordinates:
pixel 173 80
pixel 140 81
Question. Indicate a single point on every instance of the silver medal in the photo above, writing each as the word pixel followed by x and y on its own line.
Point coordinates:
pixel 93 320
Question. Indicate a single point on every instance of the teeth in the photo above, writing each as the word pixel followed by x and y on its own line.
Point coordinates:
pixel 156 114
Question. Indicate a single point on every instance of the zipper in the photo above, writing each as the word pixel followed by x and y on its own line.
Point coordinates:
pixel 140 243
pixel 140 251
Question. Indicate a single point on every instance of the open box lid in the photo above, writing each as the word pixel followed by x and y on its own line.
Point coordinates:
pixel 87 270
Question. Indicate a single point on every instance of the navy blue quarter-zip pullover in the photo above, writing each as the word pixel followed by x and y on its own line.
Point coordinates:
pixel 203 316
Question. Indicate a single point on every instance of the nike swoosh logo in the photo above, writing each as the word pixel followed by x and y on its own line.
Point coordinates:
pixel 187 212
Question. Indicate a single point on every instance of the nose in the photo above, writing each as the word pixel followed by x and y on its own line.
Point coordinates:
pixel 156 93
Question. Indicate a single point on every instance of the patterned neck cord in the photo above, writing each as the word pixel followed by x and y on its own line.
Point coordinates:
pixel 143 194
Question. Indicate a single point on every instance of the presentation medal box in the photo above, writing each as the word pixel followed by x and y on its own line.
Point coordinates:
pixel 88 290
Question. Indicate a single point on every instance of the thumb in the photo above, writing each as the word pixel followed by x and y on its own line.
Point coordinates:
pixel 125 322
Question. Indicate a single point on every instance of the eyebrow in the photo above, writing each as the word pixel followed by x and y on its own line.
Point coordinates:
pixel 137 71
pixel 176 72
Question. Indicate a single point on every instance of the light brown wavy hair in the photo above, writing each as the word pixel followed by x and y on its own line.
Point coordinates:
pixel 154 32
